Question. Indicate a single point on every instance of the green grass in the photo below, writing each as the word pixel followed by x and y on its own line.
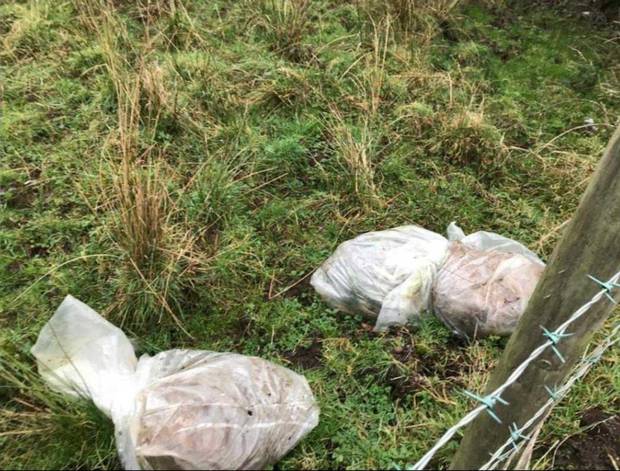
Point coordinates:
pixel 183 166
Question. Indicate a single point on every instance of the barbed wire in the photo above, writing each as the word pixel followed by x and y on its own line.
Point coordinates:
pixel 488 402
pixel 582 368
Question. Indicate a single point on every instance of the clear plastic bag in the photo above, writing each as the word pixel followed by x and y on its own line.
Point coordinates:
pixel 483 240
pixel 483 292
pixel 181 409
pixel 390 275
pixel 385 275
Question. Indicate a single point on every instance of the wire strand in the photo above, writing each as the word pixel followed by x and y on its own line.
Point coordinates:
pixel 514 376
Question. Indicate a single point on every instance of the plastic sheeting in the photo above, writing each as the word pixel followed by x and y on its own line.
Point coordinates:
pixel 390 276
pixel 181 409
pixel 483 240
pixel 385 275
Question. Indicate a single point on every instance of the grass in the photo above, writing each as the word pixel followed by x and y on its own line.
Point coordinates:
pixel 183 166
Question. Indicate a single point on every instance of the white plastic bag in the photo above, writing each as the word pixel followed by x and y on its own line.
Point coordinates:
pixel 385 275
pixel 181 409
pixel 389 276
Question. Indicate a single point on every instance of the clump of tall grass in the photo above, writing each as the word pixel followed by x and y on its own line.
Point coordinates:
pixel 144 223
pixel 355 141
pixel 146 229
pixel 467 138
pixel 354 147
pixel 422 18
pixel 142 202
pixel 285 22
pixel 68 433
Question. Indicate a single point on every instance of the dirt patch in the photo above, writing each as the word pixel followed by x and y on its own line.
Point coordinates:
pixel 402 385
pixel 331 447
pixel 598 447
pixel 423 367
pixel 18 195
pixel 240 328
pixel 453 369
pixel 37 251
pixel 458 343
pixel 14 267
pixel 414 368
pixel 405 384
pixel 307 357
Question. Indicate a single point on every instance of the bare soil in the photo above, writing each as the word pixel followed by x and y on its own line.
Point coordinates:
pixel 598 447
pixel 307 357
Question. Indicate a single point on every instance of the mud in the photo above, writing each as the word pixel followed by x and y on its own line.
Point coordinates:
pixel 595 448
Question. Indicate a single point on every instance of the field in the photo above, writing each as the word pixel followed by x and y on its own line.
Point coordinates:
pixel 183 166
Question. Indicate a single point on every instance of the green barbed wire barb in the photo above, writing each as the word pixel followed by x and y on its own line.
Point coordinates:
pixel 594 358
pixel 516 435
pixel 607 286
pixel 555 338
pixel 553 393
pixel 489 402
pixel 507 450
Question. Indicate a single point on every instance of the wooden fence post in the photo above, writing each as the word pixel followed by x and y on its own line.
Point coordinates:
pixel 590 245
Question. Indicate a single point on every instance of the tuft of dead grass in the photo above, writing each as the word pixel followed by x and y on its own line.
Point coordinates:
pixel 375 74
pixel 469 140
pixel 355 147
pixel 153 239
pixel 287 21
pixel 419 18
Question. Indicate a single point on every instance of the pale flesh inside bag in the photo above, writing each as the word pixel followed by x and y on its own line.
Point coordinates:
pixel 483 292
pixel 181 409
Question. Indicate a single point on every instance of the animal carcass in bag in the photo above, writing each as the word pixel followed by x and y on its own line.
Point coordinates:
pixel 483 292
pixel 180 409
pixel 390 275
pixel 385 275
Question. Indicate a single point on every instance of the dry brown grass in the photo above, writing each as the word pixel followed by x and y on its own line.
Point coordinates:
pixel 145 223
pixel 142 203
pixel 30 17
pixel 375 64
pixel 469 139
pixel 287 21
pixel 420 18
pixel 355 150
pixel 139 192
